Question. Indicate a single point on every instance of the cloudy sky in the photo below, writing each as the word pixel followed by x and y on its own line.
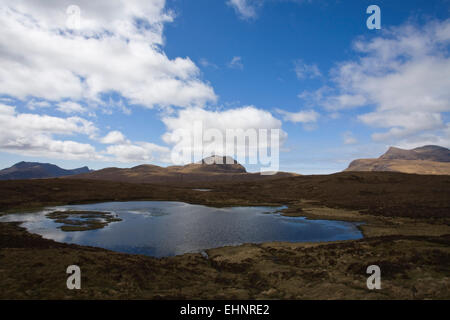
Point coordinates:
pixel 112 88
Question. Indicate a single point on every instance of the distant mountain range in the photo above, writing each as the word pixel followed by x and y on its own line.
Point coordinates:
pixel 423 160
pixel 213 168
pixel 36 170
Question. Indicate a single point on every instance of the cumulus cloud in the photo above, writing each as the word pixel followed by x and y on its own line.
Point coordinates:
pixel 46 136
pixel 114 137
pixel 137 152
pixel 124 150
pixel 182 129
pixel 441 138
pixel 33 104
pixel 344 101
pixel 71 107
pixel 404 75
pixel 116 49
pixel 111 59
pixel 35 135
pixel 304 116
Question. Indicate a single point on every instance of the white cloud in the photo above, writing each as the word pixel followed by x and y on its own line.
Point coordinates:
pixel 246 9
pixel 117 49
pixel 427 138
pixel 116 105
pixel 207 64
pixel 124 150
pixel 31 134
pixel 33 104
pixel 303 70
pixel 304 116
pixel 71 107
pixel 236 63
pixel 344 101
pixel 402 124
pixel 139 151
pixel 114 137
pixel 404 75
pixel 7 110
pixel 246 119
pixel 40 135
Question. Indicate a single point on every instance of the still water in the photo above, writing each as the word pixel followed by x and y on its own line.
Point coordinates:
pixel 160 228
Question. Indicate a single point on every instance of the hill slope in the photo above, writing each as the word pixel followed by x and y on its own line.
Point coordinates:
pixel 37 170
pixel 209 169
pixel 423 160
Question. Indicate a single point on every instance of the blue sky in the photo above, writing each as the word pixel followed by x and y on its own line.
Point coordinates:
pixel 113 91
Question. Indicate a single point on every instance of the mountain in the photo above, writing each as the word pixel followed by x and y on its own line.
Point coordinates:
pixel 214 164
pixel 214 168
pixel 36 170
pixel 423 160
pixel 428 153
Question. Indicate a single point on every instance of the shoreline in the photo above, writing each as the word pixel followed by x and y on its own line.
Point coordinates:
pixel 282 212
pixel 368 225
pixel 276 270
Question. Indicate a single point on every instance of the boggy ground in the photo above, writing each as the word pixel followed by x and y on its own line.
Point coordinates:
pixel 406 228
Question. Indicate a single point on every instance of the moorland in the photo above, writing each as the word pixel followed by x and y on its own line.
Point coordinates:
pixel 406 227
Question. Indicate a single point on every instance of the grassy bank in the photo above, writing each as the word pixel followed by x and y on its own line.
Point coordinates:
pixel 412 268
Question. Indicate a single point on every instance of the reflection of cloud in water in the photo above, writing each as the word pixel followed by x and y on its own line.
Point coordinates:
pixel 23 217
pixel 152 212
pixel 159 228
pixel 54 234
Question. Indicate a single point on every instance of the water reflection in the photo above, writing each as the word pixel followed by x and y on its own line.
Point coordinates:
pixel 159 228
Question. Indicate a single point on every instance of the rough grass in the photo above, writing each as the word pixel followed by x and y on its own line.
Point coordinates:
pixel 406 227
pixel 412 268
pixel 376 193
